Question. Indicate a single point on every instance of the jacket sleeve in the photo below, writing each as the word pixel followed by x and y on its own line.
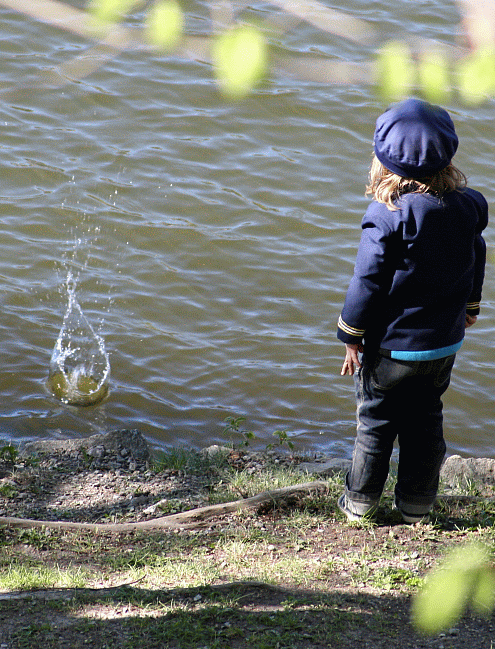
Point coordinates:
pixel 473 305
pixel 372 279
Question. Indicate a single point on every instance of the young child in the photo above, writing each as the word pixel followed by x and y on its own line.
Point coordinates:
pixel 416 286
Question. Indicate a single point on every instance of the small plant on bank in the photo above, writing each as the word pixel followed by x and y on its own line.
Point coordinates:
pixel 173 459
pixel 9 453
pixel 86 459
pixel 8 490
pixel 233 427
pixel 283 438
pixel 189 460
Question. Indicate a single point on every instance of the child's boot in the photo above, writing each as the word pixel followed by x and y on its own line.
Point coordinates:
pixel 355 511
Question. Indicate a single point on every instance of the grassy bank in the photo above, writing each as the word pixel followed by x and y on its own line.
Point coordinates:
pixel 293 576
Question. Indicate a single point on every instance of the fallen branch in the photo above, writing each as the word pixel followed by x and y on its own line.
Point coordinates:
pixel 194 518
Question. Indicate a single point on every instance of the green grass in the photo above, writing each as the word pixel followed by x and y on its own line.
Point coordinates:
pixel 288 577
pixel 183 459
pixel 240 484
pixel 216 625
pixel 21 575
pixel 7 490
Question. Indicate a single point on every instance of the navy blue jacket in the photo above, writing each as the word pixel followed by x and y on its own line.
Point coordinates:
pixel 419 270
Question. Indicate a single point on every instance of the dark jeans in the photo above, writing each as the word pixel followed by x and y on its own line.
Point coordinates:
pixel 399 399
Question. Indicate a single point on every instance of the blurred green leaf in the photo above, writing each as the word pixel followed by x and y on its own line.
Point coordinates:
pixel 483 600
pixel 441 602
pixel 109 11
pixel 464 578
pixel 476 76
pixel 434 78
pixel 395 71
pixel 241 60
pixel 165 24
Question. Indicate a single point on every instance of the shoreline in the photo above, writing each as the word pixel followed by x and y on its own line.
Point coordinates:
pixel 288 573
pixel 116 475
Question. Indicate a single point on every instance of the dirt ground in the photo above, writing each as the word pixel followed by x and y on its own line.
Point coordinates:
pixel 108 614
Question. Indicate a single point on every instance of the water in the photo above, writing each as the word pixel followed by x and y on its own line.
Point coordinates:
pixel 79 366
pixel 213 242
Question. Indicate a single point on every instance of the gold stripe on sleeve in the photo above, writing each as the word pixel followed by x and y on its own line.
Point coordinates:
pixel 352 331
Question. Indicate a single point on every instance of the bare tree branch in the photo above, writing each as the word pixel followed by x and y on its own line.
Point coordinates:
pixel 328 20
pixel 52 12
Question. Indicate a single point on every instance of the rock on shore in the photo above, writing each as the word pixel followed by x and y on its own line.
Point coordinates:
pixel 130 448
pixel 117 449
pixel 112 476
pixel 457 470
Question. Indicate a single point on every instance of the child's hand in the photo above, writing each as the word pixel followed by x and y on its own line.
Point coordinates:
pixel 470 320
pixel 351 361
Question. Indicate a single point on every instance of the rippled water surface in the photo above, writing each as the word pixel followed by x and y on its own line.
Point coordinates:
pixel 213 242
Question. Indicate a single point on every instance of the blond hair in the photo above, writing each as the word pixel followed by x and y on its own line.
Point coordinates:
pixel 387 187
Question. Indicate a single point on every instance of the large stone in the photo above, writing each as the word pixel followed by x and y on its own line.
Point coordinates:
pixel 128 443
pixel 457 470
pixel 326 467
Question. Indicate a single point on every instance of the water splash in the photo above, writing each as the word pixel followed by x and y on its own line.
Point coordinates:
pixel 79 365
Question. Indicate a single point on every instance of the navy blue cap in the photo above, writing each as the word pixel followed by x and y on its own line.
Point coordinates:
pixel 415 139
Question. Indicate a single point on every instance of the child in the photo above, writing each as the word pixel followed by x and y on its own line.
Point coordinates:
pixel 416 286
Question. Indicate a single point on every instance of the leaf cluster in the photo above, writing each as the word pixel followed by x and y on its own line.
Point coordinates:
pixel 398 73
pixel 239 54
pixel 234 428
pixel 465 579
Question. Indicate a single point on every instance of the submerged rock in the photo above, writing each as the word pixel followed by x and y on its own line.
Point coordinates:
pixel 128 445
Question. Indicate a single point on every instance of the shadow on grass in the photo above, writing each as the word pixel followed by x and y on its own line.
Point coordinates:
pixel 238 616
pixel 245 615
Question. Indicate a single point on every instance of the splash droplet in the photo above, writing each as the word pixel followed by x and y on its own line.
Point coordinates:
pixel 79 366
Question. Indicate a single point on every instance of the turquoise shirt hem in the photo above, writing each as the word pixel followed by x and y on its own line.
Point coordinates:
pixel 426 355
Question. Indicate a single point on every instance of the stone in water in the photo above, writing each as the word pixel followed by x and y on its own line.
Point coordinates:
pixel 79 366
pixel 76 389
